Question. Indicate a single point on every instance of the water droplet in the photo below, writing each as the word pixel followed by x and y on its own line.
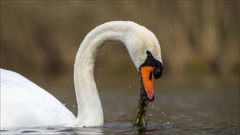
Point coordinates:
pixel 168 123
pixel 73 106
pixel 152 106
pixel 150 115
pixel 101 53
pixel 129 87
pixel 64 104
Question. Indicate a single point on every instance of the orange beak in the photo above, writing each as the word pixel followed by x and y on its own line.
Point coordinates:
pixel 148 80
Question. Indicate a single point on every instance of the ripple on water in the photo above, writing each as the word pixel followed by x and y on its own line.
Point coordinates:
pixel 108 128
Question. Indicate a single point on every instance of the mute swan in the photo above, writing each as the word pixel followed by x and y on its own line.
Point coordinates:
pixel 24 104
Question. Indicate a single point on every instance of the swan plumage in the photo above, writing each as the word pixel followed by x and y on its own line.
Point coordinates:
pixel 24 104
pixel 19 96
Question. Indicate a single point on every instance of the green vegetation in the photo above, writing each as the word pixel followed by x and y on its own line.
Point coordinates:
pixel 198 38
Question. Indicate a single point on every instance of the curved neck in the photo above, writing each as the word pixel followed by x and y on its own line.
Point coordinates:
pixel 89 106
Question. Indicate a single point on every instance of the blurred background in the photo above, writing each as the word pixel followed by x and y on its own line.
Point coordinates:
pixel 199 41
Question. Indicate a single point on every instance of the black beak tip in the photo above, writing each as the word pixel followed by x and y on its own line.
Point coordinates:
pixel 152 98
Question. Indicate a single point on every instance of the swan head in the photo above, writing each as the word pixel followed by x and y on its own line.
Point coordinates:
pixel 145 52
pixel 150 70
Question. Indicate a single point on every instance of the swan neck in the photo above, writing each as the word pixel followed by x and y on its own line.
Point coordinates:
pixel 89 106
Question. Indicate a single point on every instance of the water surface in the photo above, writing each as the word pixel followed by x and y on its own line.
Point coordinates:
pixel 174 111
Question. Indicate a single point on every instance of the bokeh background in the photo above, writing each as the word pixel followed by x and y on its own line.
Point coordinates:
pixel 199 41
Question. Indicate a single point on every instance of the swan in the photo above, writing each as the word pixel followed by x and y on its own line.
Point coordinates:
pixel 25 104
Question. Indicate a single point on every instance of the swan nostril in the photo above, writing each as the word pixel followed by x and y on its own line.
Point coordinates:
pixel 150 75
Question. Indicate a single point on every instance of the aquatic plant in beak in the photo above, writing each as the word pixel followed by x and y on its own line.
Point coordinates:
pixel 150 70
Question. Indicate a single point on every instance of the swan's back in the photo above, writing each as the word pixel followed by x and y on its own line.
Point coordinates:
pixel 24 102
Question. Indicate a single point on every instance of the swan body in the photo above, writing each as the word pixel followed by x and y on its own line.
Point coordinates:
pixel 24 104
pixel 22 101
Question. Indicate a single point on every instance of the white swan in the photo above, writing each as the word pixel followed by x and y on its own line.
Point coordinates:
pixel 24 104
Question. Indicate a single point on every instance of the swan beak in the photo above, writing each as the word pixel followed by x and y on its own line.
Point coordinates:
pixel 147 73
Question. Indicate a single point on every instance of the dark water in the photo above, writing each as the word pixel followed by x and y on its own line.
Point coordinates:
pixel 108 128
pixel 174 111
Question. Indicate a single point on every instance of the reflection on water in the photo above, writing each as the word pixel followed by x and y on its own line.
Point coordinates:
pixel 108 128
pixel 174 111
